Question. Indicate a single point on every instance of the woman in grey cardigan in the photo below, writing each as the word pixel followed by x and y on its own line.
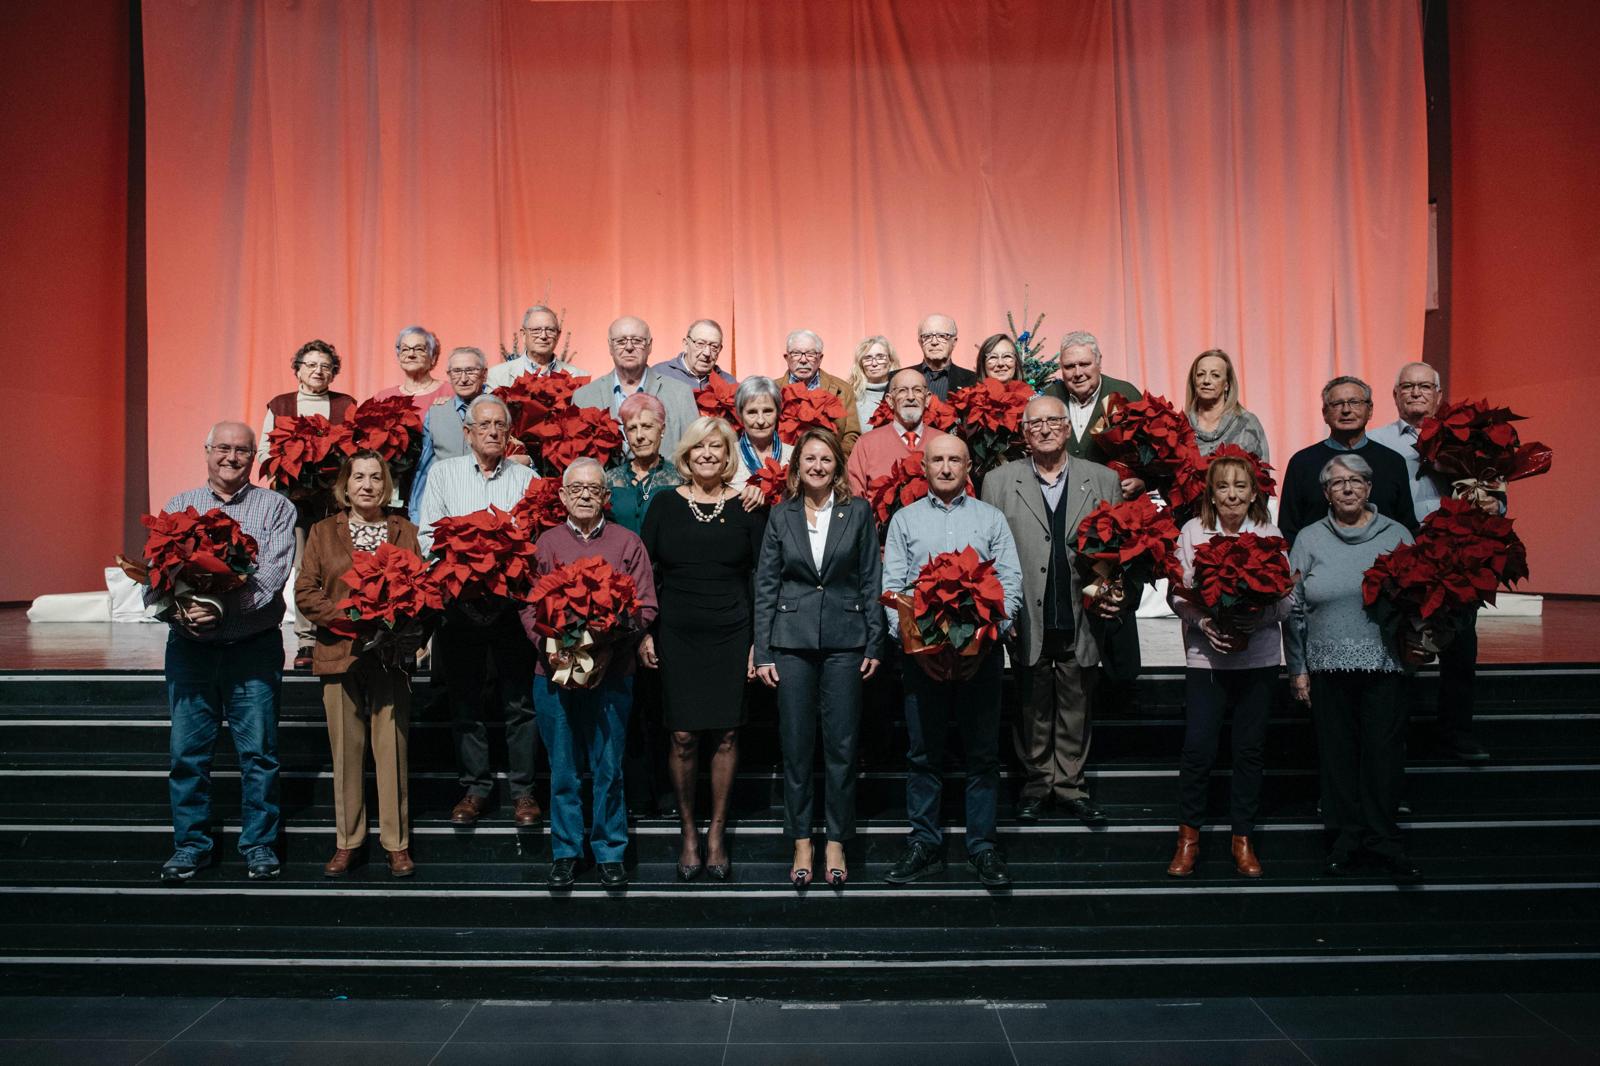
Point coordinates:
pixel 818 636
pixel 1342 667
pixel 1212 404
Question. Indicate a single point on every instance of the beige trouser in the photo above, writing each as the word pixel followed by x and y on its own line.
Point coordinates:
pixel 387 695
pixel 1053 730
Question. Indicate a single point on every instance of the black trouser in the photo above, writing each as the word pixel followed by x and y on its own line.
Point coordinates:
pixel 818 686
pixel 1361 737
pixel 1208 695
pixel 644 767
pixel 467 647
pixel 1458 675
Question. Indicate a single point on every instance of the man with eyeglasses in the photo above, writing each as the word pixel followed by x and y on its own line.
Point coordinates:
pixel 1056 646
pixel 1346 409
pixel 629 342
pixel 802 351
pixel 877 450
pixel 541 329
pixel 697 363
pixel 225 660
pixel 936 335
pixel 444 428
pixel 1416 397
pixel 473 632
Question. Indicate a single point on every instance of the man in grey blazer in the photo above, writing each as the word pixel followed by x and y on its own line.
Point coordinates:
pixel 1057 643
pixel 629 341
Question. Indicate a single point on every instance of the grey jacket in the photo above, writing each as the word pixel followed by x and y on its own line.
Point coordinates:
pixel 799 608
pixel 678 400
pixel 1014 489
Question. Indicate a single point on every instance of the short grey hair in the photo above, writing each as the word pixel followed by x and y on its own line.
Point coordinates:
pixel 486 398
pixel 433 342
pixel 713 323
pixel 753 386
pixel 535 309
pixel 1398 374
pixel 800 335
pixel 1346 379
pixel 583 462
pixel 211 434
pixel 476 353
pixel 1349 461
pixel 1081 338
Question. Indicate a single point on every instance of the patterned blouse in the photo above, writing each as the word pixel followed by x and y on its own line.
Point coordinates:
pixel 630 494
pixel 365 538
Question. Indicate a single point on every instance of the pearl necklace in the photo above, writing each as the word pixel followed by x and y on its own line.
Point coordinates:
pixel 706 516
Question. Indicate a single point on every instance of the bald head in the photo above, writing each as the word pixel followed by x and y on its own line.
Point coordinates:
pixel 230 453
pixel 629 340
pixel 937 336
pixel 946 462
pixel 1044 430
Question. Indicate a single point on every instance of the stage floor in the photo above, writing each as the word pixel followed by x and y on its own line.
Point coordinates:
pixel 1568 631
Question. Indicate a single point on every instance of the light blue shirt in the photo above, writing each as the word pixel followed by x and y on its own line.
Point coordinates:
pixel 457 487
pixel 929 527
pixel 1401 436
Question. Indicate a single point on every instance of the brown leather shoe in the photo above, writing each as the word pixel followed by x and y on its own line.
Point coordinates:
pixel 339 865
pixel 1188 850
pixel 468 810
pixel 400 864
pixel 1244 859
pixel 527 811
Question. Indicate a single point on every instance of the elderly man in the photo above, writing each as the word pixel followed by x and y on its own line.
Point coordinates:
pixel 541 329
pixel 936 335
pixel 1084 388
pixel 225 660
pixel 629 341
pixel 1056 645
pixel 476 631
pixel 697 363
pixel 444 427
pixel 1416 397
pixel 802 350
pixel 877 450
pixel 1346 409
pixel 589 725
pixel 938 687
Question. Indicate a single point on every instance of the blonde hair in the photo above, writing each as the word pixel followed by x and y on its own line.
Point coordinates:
pixel 341 481
pixel 1257 511
pixel 858 380
pixel 1230 393
pixel 699 430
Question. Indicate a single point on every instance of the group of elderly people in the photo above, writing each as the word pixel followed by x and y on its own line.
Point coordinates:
pixel 732 592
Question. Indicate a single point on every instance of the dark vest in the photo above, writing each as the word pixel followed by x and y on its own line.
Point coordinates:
pixel 1058 583
pixel 287 406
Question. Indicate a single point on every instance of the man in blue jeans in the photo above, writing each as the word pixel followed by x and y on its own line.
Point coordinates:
pixel 945 520
pixel 225 660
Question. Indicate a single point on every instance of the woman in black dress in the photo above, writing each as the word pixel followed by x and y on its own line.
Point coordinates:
pixel 703 545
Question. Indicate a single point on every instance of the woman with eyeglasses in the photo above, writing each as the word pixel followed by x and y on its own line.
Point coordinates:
pixel 874 364
pixel 1212 404
pixel 315 365
pixel 1343 667
pixel 417 352
pixel 997 358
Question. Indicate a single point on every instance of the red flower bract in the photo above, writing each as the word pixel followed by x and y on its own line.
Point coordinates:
pixel 935 413
pixel 533 398
pixel 540 507
pixel 1189 482
pixel 392 427
pixel 1146 438
pixel 1475 443
pixel 803 408
pixel 482 553
pixel 391 585
pixel 988 416
pixel 303 453
pixel 576 432
pixel 204 553
pixel 1237 576
pixel 906 482
pixel 773 480
pixel 716 400
pixel 956 599
pixel 583 595
pixel 1132 540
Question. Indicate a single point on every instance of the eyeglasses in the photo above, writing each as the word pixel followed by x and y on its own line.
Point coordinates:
pixel 1334 405
pixel 244 451
pixel 413 349
pixel 803 355
pixel 585 492
pixel 875 357
pixel 544 331
pixel 714 347
pixel 909 390
pixel 1047 422
pixel 1343 483
pixel 464 372
pixel 629 342
pixel 946 337
pixel 326 368
pixel 485 427
pixel 1415 386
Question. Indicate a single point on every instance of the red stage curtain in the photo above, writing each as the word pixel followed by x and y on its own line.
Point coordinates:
pixel 1170 176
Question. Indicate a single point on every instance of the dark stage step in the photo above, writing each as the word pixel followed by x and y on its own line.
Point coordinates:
pixel 1511 851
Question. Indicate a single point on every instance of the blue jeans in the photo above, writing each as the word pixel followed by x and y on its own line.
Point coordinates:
pixel 205 683
pixel 975 705
pixel 578 726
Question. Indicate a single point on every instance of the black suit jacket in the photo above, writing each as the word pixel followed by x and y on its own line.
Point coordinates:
pixel 797 607
pixel 959 377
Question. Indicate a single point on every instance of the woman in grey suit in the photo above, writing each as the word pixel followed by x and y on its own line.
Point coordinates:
pixel 818 636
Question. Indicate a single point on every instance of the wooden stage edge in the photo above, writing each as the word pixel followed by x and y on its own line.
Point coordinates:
pixel 1568 631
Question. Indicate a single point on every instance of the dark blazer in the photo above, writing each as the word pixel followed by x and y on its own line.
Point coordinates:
pixel 1087 446
pixel 800 609
pixel 318 589
pixel 960 377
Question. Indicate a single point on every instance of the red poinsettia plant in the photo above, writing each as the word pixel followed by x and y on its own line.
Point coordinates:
pixel 303 454
pixel 189 555
pixel 1147 439
pixel 485 553
pixel 936 414
pixel 1476 448
pixel 392 427
pixel 1237 578
pixel 541 507
pixel 534 400
pixel 905 483
pixel 393 594
pixel 574 433
pixel 716 400
pixel 582 608
pixel 955 606
pixel 1125 543
pixel 988 416
pixel 773 480
pixel 802 408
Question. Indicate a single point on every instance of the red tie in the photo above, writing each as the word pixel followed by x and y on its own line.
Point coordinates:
pixel 911 439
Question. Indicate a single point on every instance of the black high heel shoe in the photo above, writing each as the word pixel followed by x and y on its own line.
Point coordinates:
pixel 837 878
pixel 689 873
pixel 801 876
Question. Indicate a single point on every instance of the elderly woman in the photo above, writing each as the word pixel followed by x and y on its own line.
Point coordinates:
pixel 873 366
pixel 818 636
pixel 703 544
pixel 1228 668
pixel 1212 404
pixel 997 358
pixel 639 476
pixel 757 401
pixel 365 693
pixel 315 365
pixel 417 350
pixel 1342 667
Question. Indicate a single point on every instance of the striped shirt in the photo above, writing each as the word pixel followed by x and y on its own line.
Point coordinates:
pixel 268 517
pixel 457 487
